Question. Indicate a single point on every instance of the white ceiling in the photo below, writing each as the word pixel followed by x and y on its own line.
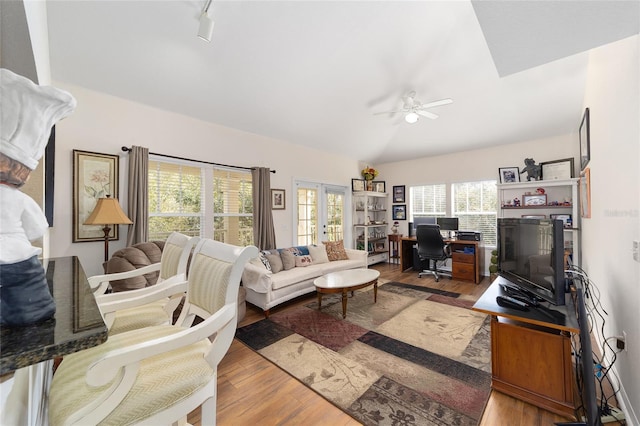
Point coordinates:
pixel 314 73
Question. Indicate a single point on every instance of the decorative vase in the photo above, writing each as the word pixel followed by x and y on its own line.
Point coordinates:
pixel 394 229
pixel 369 185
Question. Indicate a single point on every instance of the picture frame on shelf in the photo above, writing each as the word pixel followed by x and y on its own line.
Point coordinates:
pixel 357 185
pixel 534 216
pixel 534 200
pixel 278 199
pixel 565 218
pixel 379 186
pixel 585 193
pixel 399 194
pixel 585 142
pixel 557 169
pixel 399 212
pixel 509 174
pixel 95 176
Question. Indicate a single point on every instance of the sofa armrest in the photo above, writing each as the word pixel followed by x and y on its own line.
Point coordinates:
pixel 360 255
pixel 257 278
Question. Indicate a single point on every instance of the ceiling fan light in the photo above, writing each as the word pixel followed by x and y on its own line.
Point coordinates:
pixel 205 32
pixel 411 117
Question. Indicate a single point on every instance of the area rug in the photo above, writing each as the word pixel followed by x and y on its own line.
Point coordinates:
pixel 419 356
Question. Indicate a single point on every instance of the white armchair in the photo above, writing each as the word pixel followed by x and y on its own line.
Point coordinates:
pixel 157 375
pixel 154 305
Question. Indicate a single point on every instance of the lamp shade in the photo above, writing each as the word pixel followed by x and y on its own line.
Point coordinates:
pixel 411 118
pixel 108 212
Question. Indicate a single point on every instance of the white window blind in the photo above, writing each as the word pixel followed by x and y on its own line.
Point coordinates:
pixel 177 200
pixel 475 205
pixel 428 200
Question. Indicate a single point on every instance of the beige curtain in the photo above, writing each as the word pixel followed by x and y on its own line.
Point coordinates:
pixel 138 199
pixel 264 235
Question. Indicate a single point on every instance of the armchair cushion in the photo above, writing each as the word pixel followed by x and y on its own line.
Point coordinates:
pixel 132 258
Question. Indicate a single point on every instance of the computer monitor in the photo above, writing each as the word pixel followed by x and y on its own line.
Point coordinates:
pixel 448 223
pixel 420 220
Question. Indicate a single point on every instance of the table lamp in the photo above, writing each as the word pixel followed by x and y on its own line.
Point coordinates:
pixel 107 212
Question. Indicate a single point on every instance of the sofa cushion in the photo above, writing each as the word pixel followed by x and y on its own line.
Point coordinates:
pixel 288 260
pixel 340 265
pixel 335 250
pixel 302 261
pixel 295 275
pixel 319 254
pixel 276 262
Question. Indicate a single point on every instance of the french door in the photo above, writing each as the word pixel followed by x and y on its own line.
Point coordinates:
pixel 321 213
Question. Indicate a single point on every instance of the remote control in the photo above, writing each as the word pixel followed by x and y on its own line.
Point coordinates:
pixel 510 302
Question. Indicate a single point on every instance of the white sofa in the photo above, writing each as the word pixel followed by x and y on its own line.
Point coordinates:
pixel 266 289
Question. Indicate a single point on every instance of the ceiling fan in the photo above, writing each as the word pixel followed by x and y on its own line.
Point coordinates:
pixel 413 108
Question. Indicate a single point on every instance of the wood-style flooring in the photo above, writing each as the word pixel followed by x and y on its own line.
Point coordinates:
pixel 252 390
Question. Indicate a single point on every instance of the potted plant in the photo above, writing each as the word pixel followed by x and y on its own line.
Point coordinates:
pixel 493 267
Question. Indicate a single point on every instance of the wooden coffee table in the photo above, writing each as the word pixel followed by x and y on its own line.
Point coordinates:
pixel 346 281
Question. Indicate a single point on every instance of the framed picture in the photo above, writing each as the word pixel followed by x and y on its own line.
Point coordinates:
pixel 534 216
pixel 398 194
pixel 95 176
pixel 379 186
pixel 277 199
pixel 357 185
pixel 585 149
pixel 558 169
pixel 509 174
pixel 532 200
pixel 565 218
pixel 399 212
pixel 585 193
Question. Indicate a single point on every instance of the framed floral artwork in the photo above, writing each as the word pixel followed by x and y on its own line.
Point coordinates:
pixel 95 176
pixel 277 199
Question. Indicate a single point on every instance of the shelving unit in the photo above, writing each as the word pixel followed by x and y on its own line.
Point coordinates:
pixel 562 199
pixel 370 224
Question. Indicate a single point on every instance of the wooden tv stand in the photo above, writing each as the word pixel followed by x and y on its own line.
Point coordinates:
pixel 531 354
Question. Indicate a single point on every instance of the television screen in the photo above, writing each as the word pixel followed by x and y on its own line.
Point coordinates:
pixel 448 223
pixel 531 256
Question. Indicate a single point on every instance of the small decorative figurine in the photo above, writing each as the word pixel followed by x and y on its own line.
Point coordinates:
pixel 28 113
pixel 540 191
pixel 394 228
pixel 533 170
pixel 516 202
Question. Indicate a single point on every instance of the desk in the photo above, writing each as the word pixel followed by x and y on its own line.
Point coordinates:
pixel 465 267
pixel 77 325
pixel 531 351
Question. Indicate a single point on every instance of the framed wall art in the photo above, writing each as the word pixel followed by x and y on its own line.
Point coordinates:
pixel 95 176
pixel 558 169
pixel 379 186
pixel 277 199
pixel 399 212
pixel 509 174
pixel 585 148
pixel 357 185
pixel 398 194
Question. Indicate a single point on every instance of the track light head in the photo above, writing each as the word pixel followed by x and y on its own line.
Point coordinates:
pixel 205 32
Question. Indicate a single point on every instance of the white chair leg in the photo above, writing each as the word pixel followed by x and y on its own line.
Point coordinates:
pixel 208 409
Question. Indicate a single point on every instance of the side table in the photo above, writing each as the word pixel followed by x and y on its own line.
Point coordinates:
pixel 394 248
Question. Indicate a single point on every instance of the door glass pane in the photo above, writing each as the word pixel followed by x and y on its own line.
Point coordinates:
pixel 307 216
pixel 335 217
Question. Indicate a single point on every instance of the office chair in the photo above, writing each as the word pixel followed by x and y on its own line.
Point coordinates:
pixel 431 249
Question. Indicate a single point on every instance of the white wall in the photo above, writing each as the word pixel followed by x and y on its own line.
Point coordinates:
pixel 613 98
pixel 104 124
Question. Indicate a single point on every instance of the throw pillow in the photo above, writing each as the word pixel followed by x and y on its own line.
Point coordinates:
pixel 276 262
pixel 264 261
pixel 335 250
pixel 288 260
pixel 319 253
pixel 303 260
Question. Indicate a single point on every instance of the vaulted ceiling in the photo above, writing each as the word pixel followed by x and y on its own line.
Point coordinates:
pixel 315 73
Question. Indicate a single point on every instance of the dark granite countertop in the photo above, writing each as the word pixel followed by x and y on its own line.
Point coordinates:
pixel 77 324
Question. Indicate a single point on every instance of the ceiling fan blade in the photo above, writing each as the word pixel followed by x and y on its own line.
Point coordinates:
pixel 426 114
pixel 388 112
pixel 437 103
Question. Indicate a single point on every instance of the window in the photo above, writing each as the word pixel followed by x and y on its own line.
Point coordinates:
pixel 307 216
pixel 200 200
pixel 475 204
pixel 428 200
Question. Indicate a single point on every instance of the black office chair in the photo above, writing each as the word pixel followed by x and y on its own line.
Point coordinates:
pixel 431 249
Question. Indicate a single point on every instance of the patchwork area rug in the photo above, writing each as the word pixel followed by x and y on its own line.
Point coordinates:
pixel 419 356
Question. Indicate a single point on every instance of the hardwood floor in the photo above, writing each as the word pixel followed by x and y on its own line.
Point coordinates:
pixel 252 390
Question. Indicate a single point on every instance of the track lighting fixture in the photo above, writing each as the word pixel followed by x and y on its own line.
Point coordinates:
pixel 205 32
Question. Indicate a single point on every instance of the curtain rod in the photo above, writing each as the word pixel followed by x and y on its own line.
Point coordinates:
pixel 126 149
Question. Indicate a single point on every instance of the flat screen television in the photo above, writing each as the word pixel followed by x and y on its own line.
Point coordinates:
pixel 531 256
